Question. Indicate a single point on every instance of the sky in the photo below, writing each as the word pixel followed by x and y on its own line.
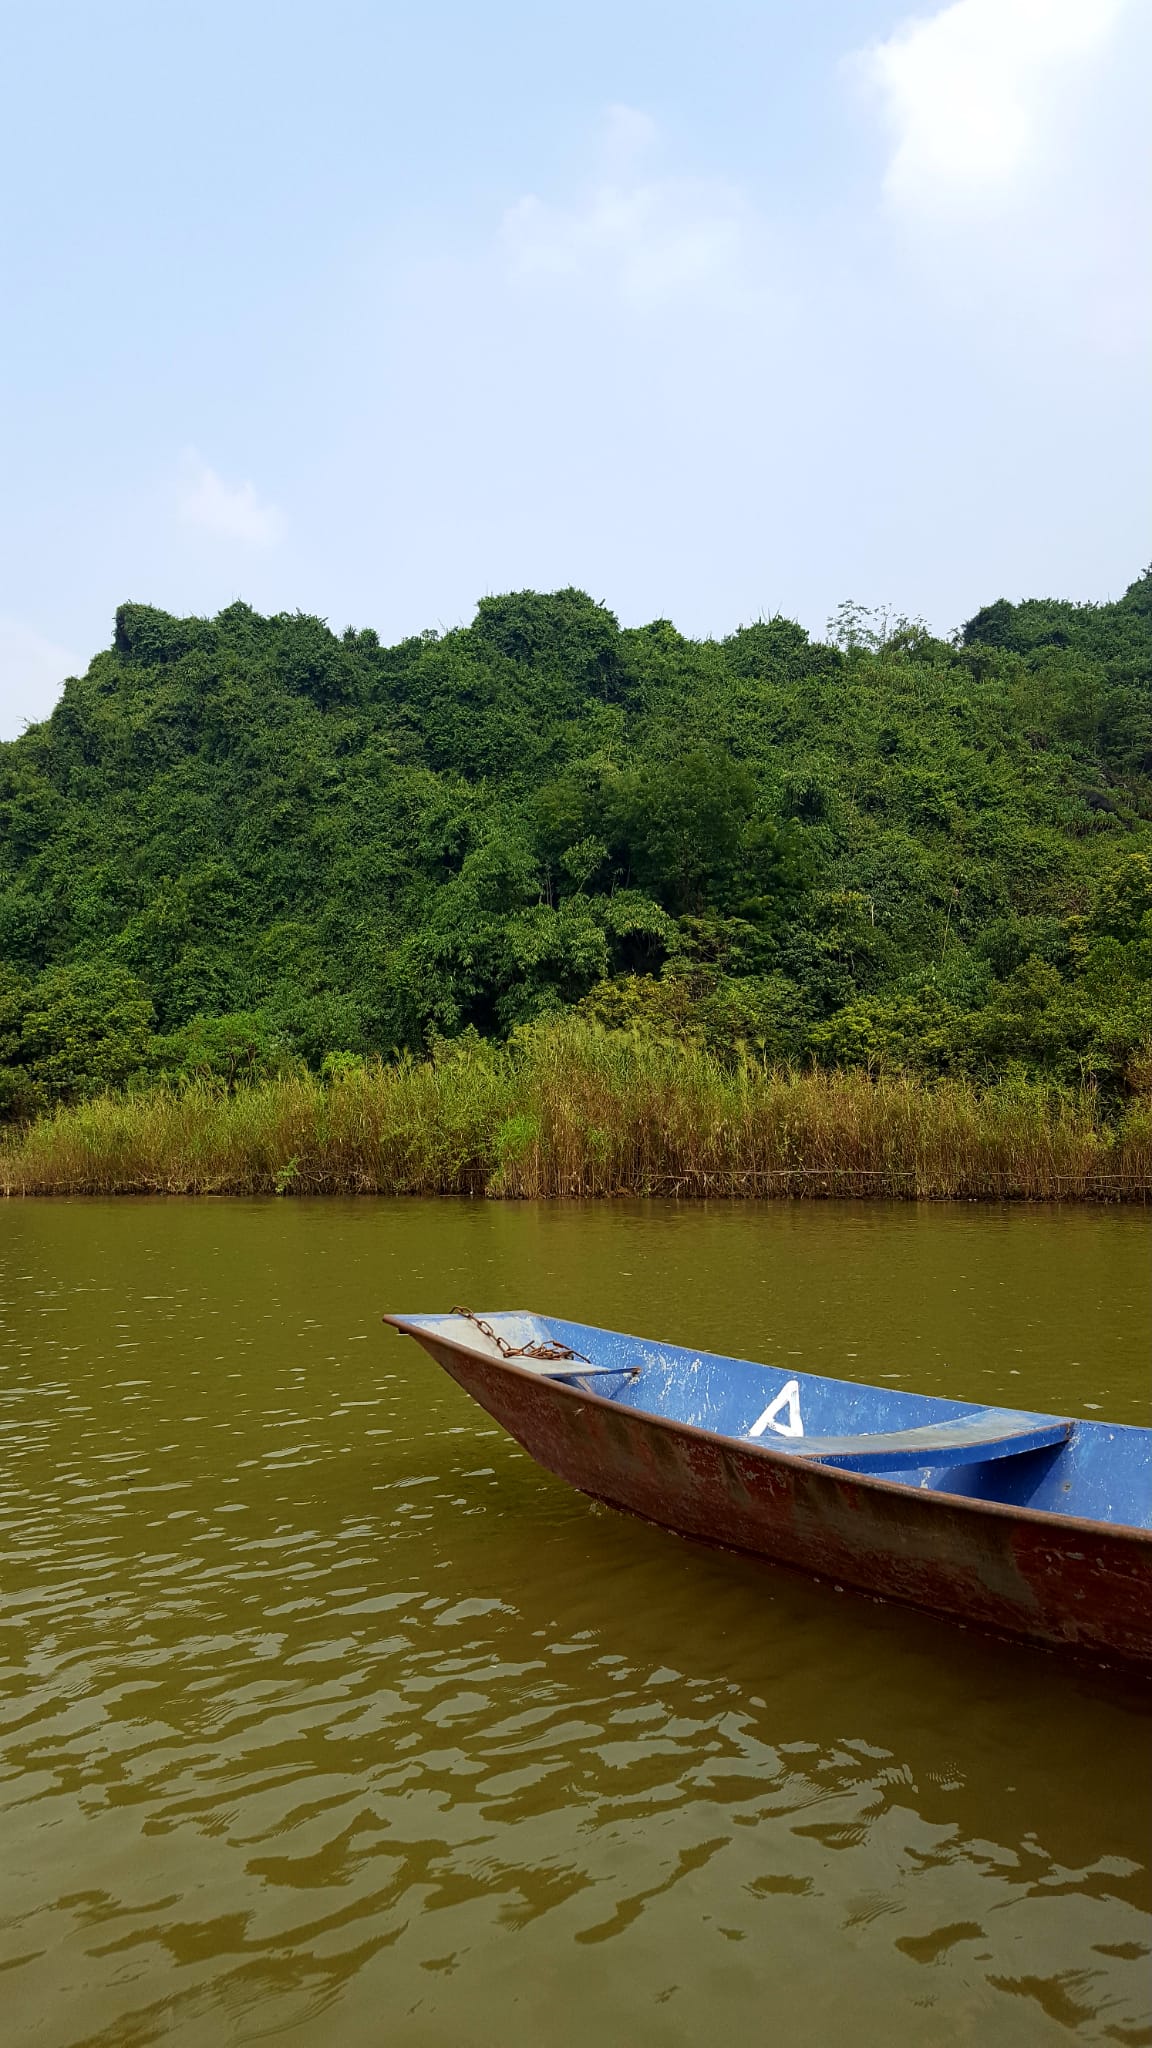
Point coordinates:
pixel 713 310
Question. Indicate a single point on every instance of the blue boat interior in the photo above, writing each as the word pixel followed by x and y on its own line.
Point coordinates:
pixel 1099 1471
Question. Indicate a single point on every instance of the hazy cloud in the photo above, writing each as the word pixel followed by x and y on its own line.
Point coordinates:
pixel 231 511
pixel 32 670
pixel 646 236
pixel 972 94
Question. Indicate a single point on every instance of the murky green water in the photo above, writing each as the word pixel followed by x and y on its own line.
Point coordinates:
pixel 327 1717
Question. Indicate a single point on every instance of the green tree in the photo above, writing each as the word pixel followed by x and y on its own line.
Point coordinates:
pixel 87 1026
pixel 271 841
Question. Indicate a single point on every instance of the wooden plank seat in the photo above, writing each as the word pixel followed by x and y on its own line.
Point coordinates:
pixel 968 1440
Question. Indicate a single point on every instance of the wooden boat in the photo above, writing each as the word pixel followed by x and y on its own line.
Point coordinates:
pixel 1035 1525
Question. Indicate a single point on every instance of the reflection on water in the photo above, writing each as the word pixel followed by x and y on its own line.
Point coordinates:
pixel 326 1714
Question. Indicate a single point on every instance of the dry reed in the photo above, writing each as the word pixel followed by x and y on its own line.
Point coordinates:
pixel 573 1110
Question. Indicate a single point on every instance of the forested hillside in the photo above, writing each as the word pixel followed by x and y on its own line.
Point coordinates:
pixel 243 841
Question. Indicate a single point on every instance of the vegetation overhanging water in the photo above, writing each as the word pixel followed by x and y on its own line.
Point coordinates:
pixel 570 1109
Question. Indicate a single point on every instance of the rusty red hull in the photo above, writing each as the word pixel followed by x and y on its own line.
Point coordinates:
pixel 1053 1578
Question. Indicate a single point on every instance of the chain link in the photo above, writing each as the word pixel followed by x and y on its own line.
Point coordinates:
pixel 552 1353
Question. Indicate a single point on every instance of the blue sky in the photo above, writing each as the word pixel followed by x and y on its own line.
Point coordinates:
pixel 713 310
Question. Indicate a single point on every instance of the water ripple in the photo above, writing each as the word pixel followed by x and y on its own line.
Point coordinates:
pixel 306 1733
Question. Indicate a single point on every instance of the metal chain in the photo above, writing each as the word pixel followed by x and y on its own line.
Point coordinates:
pixel 552 1353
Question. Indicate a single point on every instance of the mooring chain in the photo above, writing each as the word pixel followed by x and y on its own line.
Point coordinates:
pixel 552 1353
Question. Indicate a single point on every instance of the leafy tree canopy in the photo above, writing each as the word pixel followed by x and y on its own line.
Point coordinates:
pixel 243 840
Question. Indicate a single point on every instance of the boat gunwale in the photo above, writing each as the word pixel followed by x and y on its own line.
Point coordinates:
pixel 1046 1517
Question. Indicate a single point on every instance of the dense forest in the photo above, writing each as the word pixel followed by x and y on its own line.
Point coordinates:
pixel 243 843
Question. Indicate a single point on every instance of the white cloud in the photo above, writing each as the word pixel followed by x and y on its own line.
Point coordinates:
pixel 626 135
pixel 973 94
pixel 648 237
pixel 32 671
pixel 231 511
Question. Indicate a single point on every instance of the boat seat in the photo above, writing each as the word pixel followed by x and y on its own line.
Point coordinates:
pixel 967 1440
pixel 572 1369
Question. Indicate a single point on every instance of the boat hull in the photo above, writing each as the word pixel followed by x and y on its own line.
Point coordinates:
pixel 1052 1578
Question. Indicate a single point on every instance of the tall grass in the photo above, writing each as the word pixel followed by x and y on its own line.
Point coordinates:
pixel 573 1110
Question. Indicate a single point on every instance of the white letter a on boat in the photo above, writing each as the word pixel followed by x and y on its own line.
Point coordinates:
pixel 789 1398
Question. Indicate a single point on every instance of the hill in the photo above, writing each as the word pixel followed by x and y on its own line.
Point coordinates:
pixel 244 841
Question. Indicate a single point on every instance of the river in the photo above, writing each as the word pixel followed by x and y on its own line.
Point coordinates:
pixel 328 1717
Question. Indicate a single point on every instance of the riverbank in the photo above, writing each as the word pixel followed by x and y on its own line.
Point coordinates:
pixel 573 1111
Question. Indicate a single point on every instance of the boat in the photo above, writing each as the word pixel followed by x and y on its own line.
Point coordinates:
pixel 1029 1525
